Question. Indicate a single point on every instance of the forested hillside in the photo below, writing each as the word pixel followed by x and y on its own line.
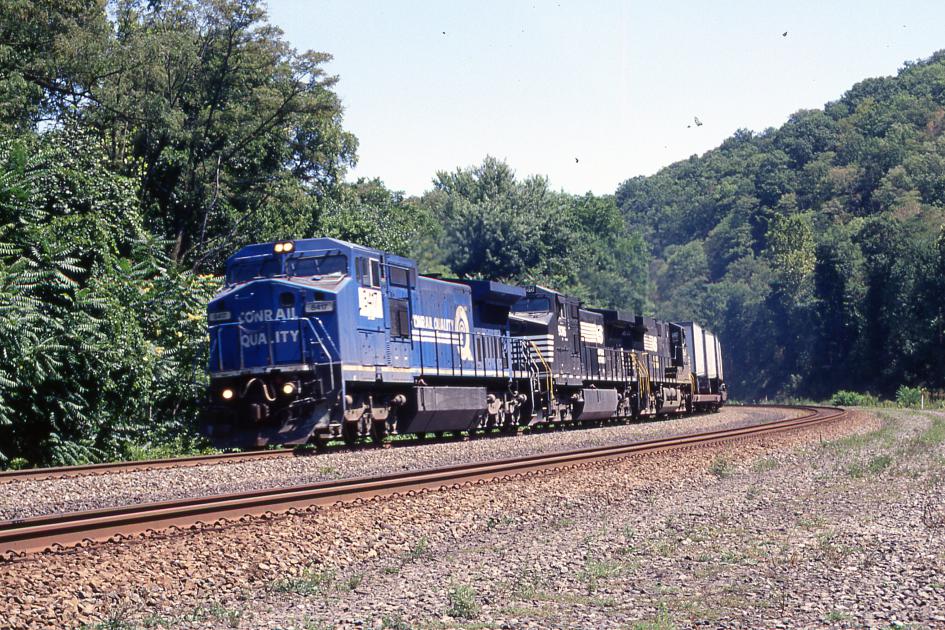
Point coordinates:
pixel 817 249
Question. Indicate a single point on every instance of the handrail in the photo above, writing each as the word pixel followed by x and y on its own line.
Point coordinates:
pixel 551 386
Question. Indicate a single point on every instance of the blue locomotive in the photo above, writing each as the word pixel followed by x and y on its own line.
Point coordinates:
pixel 316 339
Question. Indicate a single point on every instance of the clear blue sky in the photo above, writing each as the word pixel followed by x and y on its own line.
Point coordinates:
pixel 433 85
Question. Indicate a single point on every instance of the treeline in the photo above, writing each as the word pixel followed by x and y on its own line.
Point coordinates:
pixel 817 249
pixel 141 143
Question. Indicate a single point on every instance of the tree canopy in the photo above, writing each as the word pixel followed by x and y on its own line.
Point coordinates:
pixel 820 239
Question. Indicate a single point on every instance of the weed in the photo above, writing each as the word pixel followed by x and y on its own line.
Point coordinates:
pixel 394 622
pixel 354 581
pixel 221 612
pixel 874 466
pixel 391 569
pixel 154 621
pixel 837 616
pixel 315 624
pixel 562 523
pixel 934 435
pixel 463 604
pixel 597 570
pixel 309 583
pixel 420 549
pixel 327 470
pixel 878 464
pixel 720 468
pixel 765 464
pixel 503 520
pixel 662 621
pixel 113 622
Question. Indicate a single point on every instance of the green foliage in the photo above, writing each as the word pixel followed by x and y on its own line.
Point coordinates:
pixel 493 225
pixel 908 396
pixel 462 602
pixel 844 398
pixel 233 136
pixel 99 333
pixel 822 261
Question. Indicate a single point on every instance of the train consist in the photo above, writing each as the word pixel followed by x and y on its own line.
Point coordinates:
pixel 316 339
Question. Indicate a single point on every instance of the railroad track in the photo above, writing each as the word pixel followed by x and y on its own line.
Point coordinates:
pixel 64 472
pixel 51 532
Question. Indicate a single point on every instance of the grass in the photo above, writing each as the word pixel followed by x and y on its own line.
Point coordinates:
pixel 874 466
pixel 420 549
pixel 837 616
pixel 504 521
pixel 462 602
pixel 765 464
pixel 309 583
pixel 597 570
pixel 394 622
pixel 721 468
pixel 661 621
pixel 180 446
pixel 354 581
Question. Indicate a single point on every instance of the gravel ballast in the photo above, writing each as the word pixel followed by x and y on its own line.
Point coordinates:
pixel 751 534
pixel 21 499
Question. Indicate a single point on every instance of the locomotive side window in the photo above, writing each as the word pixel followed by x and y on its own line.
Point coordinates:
pixel 399 277
pixel 399 320
pixel 369 272
pixel 375 273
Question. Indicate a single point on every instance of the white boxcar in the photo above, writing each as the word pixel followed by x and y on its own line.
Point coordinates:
pixel 711 355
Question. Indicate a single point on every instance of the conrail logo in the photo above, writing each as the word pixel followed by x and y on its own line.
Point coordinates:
pixel 459 325
pixel 267 315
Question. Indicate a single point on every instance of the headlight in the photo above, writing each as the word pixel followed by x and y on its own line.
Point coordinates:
pixel 227 394
pixel 288 389
pixel 284 247
pixel 278 248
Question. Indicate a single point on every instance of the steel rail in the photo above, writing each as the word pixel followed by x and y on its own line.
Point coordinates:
pixel 41 533
pixel 83 470
pixel 62 472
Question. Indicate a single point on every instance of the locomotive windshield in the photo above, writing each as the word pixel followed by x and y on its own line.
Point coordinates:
pixel 532 305
pixel 333 265
pixel 252 268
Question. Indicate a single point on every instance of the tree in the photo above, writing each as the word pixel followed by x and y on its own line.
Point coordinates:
pixel 99 334
pixel 233 135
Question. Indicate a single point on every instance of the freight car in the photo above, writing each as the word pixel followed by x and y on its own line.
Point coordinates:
pixel 316 339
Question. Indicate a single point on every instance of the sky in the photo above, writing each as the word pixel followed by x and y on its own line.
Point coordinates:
pixel 588 93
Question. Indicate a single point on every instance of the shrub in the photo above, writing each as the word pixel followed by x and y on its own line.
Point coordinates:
pixel 908 396
pixel 463 604
pixel 846 398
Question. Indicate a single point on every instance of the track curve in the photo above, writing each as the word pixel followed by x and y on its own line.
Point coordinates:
pixel 42 533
